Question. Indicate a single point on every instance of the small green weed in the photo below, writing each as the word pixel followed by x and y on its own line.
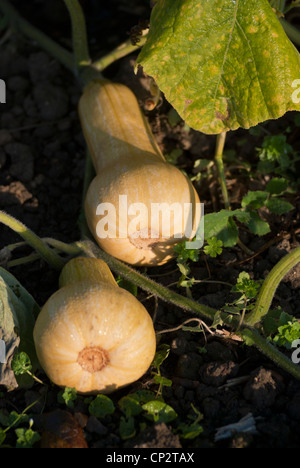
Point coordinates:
pixel 224 224
pixel 281 328
pixel 277 156
pixel 25 437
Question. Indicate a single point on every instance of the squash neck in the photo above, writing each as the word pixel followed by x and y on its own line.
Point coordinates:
pixel 127 159
pixel 92 270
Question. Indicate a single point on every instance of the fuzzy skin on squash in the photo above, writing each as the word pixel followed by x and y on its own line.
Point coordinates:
pixel 91 334
pixel 129 163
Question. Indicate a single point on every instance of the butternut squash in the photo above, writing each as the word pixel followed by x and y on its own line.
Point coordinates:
pixel 91 334
pixel 138 206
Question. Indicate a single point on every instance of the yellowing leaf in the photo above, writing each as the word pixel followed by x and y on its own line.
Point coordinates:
pixel 222 64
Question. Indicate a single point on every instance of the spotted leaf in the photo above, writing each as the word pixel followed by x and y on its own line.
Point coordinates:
pixel 222 64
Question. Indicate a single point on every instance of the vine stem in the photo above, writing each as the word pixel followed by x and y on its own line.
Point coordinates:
pixel 144 282
pixel 79 32
pixel 119 52
pixel 33 240
pixel 64 56
pixel 221 138
pixel 190 305
pixel 281 360
pixel 219 151
pixel 90 249
pixel 79 63
pixel 270 285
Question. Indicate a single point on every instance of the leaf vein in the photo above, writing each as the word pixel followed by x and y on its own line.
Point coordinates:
pixel 227 49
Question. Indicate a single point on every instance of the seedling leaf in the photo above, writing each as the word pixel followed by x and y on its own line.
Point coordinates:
pixel 127 427
pixel 222 226
pixel 278 206
pixel 101 406
pixel 277 185
pixel 257 225
pixel 159 411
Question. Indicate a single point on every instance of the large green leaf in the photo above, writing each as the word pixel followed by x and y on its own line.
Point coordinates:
pixel 222 64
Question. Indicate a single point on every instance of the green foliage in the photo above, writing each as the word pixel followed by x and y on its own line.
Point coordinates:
pixel 145 403
pixel 67 396
pixel 287 333
pixel 183 257
pixel 193 430
pixel 127 427
pixel 173 156
pixel 161 355
pixel 247 290
pixel 173 117
pixel 275 149
pixel 131 405
pixel 223 225
pixel 101 406
pixel 235 70
pixel 22 368
pixel 277 156
pixel 158 411
pixel 268 198
pixel 214 247
pixel 26 437
pixel 277 186
pixel 183 254
pixel 21 364
pixel 248 287
pixel 281 328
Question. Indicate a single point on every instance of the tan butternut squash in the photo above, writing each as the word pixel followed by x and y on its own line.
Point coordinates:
pixel 91 334
pixel 138 206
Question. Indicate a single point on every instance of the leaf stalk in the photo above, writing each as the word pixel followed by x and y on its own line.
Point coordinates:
pixel 33 240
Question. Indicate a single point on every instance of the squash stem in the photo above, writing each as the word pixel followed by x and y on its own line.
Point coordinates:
pixel 221 138
pixel 42 39
pixel 119 52
pixel 270 285
pixel 23 260
pixel 280 359
pixel 79 62
pixel 60 246
pixel 57 244
pixel 33 240
pixel 79 32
